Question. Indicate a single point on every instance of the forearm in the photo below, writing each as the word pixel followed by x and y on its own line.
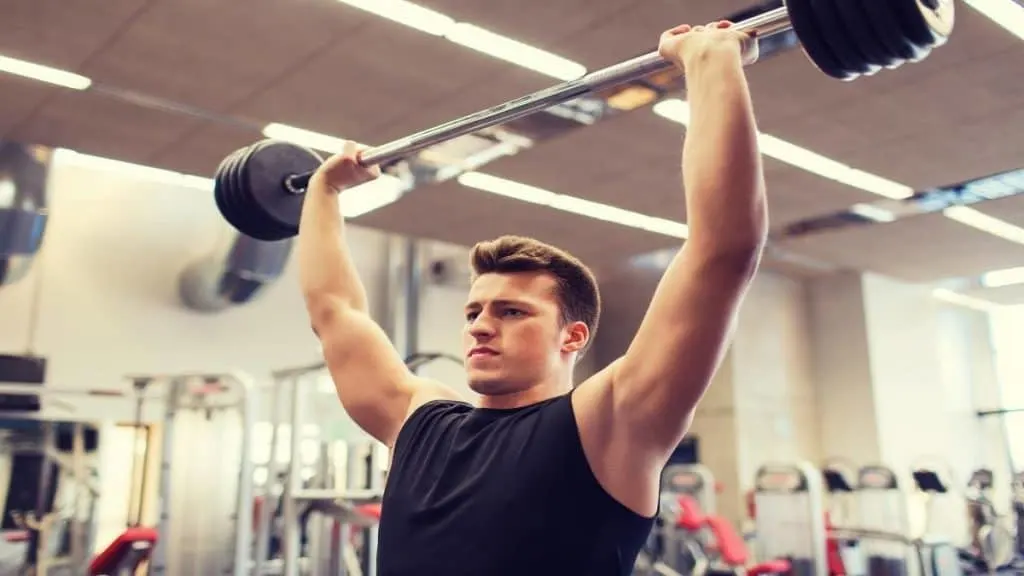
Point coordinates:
pixel 722 170
pixel 326 271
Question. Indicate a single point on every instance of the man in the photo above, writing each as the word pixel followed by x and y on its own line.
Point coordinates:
pixel 541 478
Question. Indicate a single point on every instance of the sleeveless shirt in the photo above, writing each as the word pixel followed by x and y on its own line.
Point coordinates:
pixel 496 492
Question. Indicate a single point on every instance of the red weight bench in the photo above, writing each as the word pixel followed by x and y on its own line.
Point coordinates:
pixel 125 554
pixel 731 549
pixel 691 517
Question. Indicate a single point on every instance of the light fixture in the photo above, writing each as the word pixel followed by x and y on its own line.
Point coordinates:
pixel 406 13
pixel 44 73
pixel 515 52
pixel 985 223
pixel 1005 277
pixel 572 204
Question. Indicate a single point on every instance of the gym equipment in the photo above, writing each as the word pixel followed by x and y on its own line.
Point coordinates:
pixel 790 517
pixel 125 554
pixel 50 490
pixel 259 189
pixel 676 542
pixel 203 527
pixel 992 535
pixel 327 499
pixel 948 559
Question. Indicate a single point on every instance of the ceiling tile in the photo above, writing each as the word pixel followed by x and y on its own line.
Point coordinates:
pixel 92 123
pixel 215 54
pixel 63 34
pixel 919 249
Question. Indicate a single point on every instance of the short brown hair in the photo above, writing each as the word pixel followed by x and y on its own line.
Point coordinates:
pixel 577 292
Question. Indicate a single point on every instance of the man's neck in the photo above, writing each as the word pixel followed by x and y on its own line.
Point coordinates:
pixel 531 395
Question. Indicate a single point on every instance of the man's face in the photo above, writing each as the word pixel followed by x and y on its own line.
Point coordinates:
pixel 513 337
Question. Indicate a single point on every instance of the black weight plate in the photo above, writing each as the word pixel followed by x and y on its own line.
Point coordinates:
pixel 224 191
pixel 859 26
pixel 248 224
pixel 889 30
pixel 805 25
pixel 835 34
pixel 253 223
pixel 262 225
pixel 266 170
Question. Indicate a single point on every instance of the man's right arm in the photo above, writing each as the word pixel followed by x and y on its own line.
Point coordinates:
pixel 375 387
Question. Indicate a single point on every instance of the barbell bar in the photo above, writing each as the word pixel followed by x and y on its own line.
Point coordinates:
pixel 259 189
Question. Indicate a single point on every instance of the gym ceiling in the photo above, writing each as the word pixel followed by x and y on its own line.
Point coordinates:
pixel 179 84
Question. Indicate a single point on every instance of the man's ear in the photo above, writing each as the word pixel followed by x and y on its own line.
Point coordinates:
pixel 576 337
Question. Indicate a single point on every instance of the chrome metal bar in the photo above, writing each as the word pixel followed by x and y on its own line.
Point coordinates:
pixel 771 22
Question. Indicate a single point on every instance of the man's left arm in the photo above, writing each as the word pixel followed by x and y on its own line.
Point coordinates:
pixel 683 337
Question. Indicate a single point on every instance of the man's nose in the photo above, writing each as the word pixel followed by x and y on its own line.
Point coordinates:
pixel 482 328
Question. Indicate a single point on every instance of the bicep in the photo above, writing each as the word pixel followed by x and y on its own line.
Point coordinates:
pixel 372 381
pixel 681 342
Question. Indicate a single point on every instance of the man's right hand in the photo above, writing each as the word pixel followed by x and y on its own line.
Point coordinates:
pixel 343 170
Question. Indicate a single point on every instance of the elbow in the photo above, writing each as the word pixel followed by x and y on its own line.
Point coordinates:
pixel 738 256
pixel 326 311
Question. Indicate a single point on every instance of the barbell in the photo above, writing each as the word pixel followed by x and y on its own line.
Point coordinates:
pixel 259 189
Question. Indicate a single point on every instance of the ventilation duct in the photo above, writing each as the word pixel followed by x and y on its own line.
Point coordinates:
pixel 233 275
pixel 23 215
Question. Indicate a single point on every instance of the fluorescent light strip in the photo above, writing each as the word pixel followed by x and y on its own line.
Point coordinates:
pixel 679 111
pixel 472 37
pixel 515 52
pixel 1005 277
pixel 572 204
pixel 1006 13
pixel 42 73
pixel 407 14
pixel 985 223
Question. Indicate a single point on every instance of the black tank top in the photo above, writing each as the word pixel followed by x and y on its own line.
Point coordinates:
pixel 491 492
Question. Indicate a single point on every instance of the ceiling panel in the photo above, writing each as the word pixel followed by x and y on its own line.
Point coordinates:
pixel 60 33
pixel 200 150
pixel 20 97
pixel 633 31
pixel 92 123
pixel 380 74
pixel 214 54
pixel 919 249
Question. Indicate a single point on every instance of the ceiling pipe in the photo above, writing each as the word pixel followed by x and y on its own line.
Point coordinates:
pixel 234 274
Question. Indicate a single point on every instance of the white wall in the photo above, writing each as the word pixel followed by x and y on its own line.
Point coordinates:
pixel 104 291
pixel 841 370
pixel 776 399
